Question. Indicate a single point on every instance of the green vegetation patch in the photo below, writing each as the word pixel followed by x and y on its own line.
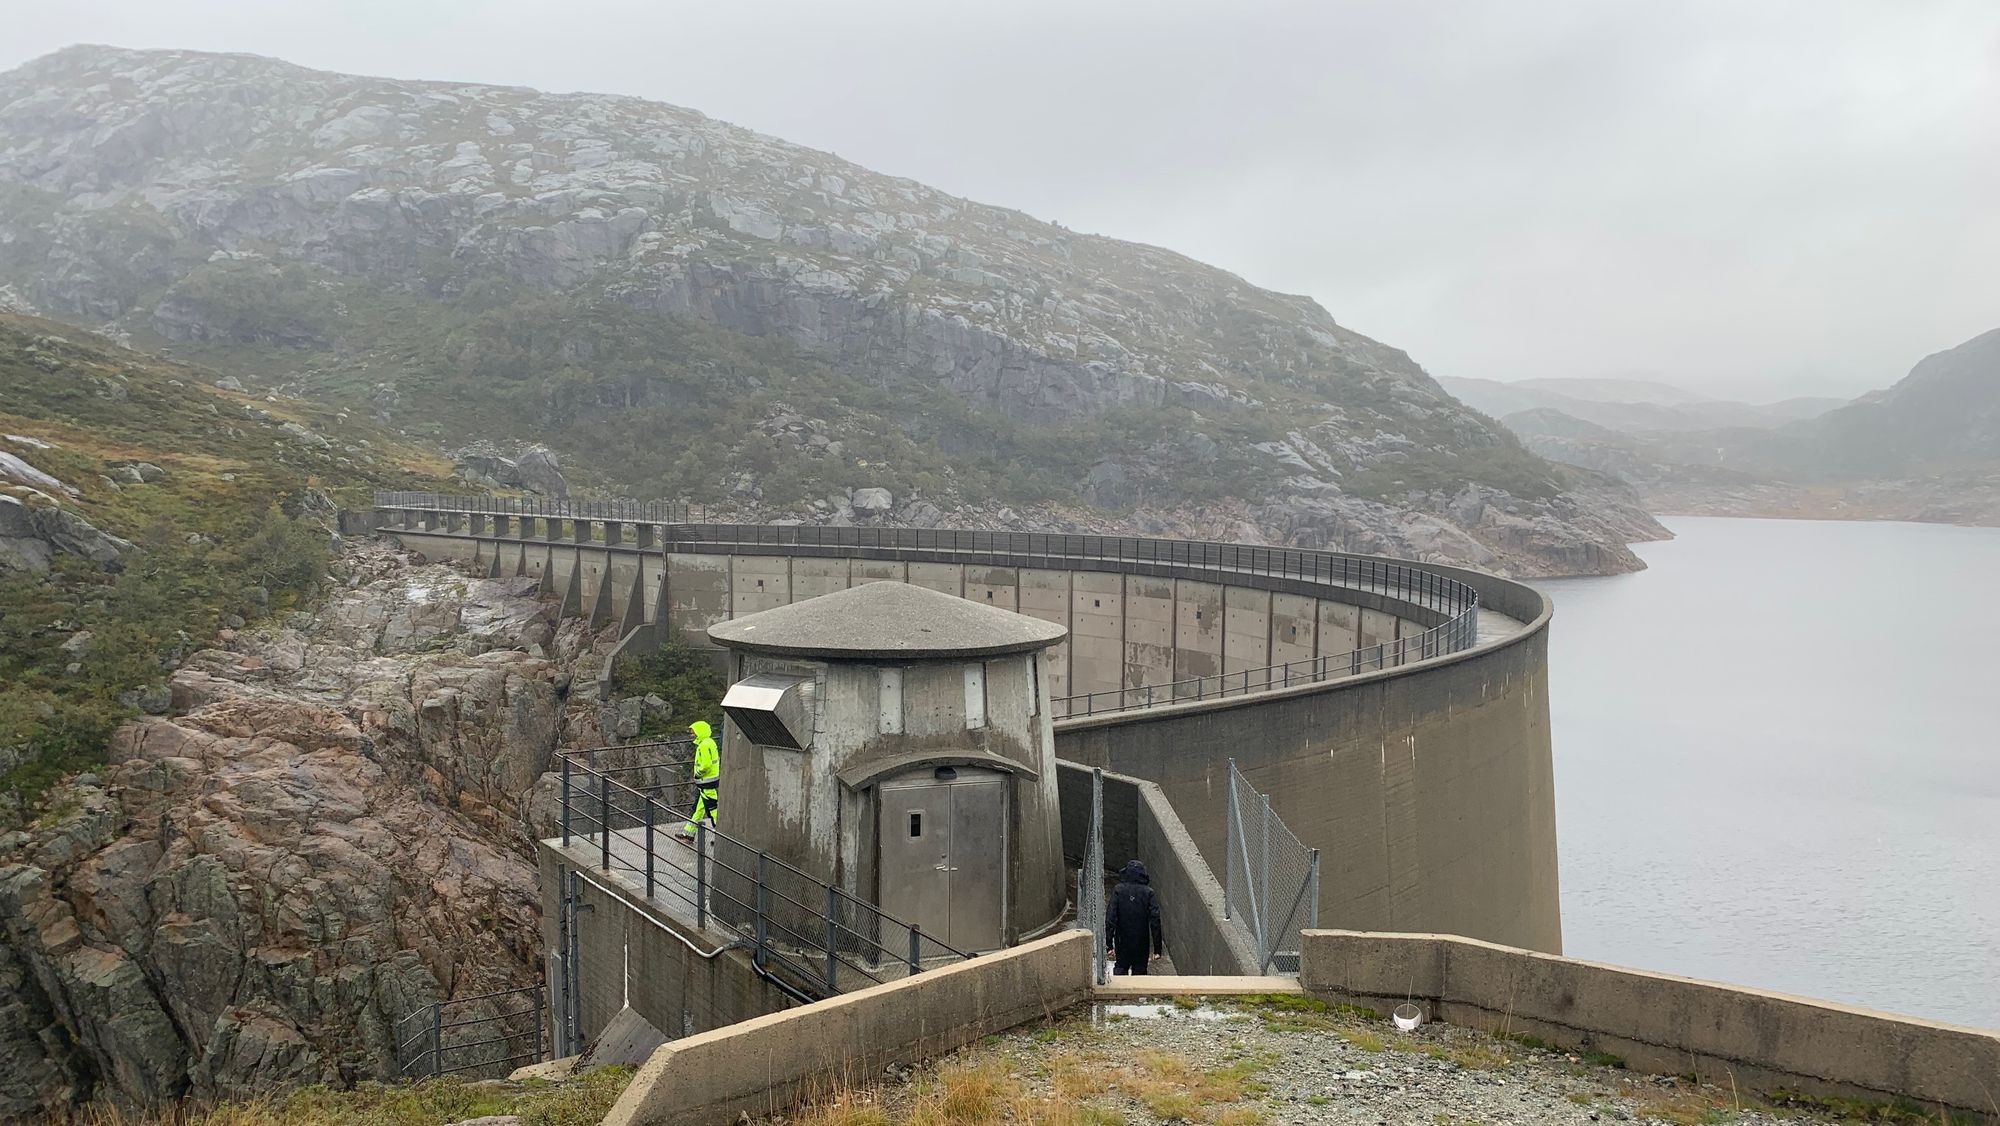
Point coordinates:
pixel 239 525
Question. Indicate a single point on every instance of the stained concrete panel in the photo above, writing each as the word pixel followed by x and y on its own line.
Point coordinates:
pixel 994 586
pixel 624 576
pixel 759 582
pixel 948 578
pixel 593 569
pixel 698 596
pixel 814 577
pixel 1246 636
pixel 1097 632
pixel 879 570
pixel 652 569
pixel 1294 626
pixel 1045 595
pixel 1339 628
pixel 1149 631
pixel 1197 629
pixel 1378 628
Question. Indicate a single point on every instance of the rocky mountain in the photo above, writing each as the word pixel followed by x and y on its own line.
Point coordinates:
pixel 682 307
pixel 328 827
pixel 1631 406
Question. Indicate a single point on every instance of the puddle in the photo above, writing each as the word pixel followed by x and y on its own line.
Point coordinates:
pixel 1103 1013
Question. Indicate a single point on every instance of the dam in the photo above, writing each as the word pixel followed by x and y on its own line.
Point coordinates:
pixel 1395 712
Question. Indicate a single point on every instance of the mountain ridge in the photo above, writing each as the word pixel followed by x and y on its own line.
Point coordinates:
pixel 416 246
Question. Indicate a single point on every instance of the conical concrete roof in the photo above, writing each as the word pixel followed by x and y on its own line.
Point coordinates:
pixel 887 620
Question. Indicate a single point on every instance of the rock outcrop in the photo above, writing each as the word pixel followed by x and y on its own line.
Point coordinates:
pixel 330 831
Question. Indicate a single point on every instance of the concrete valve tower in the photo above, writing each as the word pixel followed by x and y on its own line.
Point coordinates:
pixel 897 742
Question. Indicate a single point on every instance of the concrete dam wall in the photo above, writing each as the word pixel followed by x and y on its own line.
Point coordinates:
pixel 1397 713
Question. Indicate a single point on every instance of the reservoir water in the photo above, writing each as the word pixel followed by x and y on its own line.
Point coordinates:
pixel 1778 761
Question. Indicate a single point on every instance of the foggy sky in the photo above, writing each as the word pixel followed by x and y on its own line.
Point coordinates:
pixel 1751 198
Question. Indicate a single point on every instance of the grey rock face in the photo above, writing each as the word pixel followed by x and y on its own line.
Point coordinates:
pixel 536 469
pixel 330 834
pixel 31 537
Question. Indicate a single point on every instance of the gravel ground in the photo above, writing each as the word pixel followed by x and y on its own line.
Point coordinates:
pixel 1237 1063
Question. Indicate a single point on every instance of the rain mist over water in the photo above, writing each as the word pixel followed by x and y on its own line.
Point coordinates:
pixel 1777 762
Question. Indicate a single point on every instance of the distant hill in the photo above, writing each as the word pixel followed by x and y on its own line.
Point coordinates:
pixel 1623 405
pixel 1945 414
pixel 1927 448
pixel 1606 390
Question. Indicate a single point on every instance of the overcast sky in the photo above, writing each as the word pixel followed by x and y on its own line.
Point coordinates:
pixel 1752 198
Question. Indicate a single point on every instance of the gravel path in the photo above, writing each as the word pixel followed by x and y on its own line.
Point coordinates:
pixel 1237 1063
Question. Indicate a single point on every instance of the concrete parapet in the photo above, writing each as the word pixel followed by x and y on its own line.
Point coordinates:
pixel 765 1064
pixel 1659 1023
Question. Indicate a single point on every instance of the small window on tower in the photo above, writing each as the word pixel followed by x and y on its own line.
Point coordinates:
pixel 917 824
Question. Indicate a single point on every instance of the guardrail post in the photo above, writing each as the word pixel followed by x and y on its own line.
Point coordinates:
pixel 700 875
pixel 437 1039
pixel 541 1015
pixel 916 949
pixel 565 801
pixel 763 862
pixel 603 822
pixel 649 848
pixel 832 934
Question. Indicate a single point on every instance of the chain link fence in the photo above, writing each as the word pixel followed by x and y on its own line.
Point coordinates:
pixel 1272 885
pixel 1090 905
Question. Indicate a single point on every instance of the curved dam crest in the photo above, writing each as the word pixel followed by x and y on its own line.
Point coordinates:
pixel 1415 755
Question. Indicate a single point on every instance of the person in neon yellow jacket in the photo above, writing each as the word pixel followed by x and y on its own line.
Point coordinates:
pixel 707 777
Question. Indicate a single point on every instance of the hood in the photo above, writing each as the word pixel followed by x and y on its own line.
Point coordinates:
pixel 700 728
pixel 1133 873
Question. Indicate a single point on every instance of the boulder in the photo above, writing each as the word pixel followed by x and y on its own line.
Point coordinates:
pixel 873 502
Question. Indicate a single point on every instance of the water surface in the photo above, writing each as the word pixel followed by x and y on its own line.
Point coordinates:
pixel 1777 762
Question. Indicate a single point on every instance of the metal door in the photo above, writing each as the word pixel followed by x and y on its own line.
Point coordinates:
pixel 943 848
pixel 912 830
pixel 977 860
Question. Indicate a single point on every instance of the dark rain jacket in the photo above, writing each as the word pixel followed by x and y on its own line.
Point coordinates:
pixel 1133 914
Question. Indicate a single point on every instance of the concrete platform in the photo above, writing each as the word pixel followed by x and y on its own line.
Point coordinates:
pixel 1189 985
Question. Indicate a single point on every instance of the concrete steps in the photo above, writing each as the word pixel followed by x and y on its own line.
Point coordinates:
pixel 1192 985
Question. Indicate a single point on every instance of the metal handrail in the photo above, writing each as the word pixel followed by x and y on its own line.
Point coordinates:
pixel 827 926
pixel 430 1061
pixel 1457 603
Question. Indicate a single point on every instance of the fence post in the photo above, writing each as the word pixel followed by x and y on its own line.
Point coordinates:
pixel 1312 880
pixel 1229 852
pixel 700 874
pixel 437 1038
pixel 565 801
pixel 832 934
pixel 649 848
pixel 1270 940
pixel 604 822
pixel 541 1016
pixel 763 863
pixel 916 949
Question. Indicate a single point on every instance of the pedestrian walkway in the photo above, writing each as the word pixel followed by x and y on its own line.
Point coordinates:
pixel 1193 985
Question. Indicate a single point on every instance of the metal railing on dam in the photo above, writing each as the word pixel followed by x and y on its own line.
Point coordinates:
pixel 1452 606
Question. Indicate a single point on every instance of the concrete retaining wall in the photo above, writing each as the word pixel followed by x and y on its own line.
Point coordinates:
pixel 1140 824
pixel 1673 1025
pixel 772 1062
pixel 632 954
pixel 1431 794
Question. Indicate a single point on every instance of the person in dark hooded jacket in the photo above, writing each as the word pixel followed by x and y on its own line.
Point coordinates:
pixel 1133 916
